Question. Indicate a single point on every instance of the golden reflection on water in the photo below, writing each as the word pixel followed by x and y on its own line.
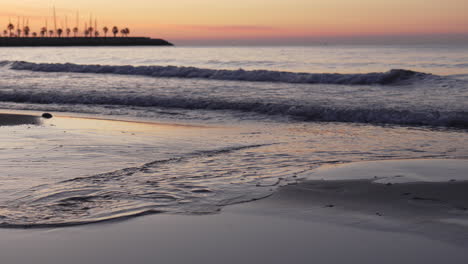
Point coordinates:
pixel 109 125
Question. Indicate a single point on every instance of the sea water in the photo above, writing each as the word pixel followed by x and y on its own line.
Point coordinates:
pixel 254 118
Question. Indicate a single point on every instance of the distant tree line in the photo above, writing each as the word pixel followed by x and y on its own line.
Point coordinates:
pixel 25 31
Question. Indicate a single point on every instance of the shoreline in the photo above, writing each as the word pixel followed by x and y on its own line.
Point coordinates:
pixel 398 210
pixel 11 119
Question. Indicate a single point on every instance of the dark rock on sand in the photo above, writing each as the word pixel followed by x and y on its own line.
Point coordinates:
pixel 47 115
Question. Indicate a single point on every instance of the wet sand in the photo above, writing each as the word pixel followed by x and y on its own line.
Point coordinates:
pixel 241 234
pixel 7 119
pixel 362 213
pixel 311 222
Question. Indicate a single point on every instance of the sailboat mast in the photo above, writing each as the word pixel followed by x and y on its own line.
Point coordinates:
pixel 90 20
pixel 55 21
pixel 77 19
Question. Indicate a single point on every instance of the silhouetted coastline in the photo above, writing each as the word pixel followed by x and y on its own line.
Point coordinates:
pixel 81 41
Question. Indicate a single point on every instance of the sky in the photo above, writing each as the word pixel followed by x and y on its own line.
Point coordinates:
pixel 250 22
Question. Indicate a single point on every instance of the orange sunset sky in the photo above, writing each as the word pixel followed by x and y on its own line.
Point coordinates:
pixel 258 21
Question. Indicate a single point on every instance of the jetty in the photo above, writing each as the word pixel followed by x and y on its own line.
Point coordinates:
pixel 80 41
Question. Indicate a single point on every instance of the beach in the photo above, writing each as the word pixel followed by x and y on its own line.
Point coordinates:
pixel 377 211
pixel 233 155
pixel 229 132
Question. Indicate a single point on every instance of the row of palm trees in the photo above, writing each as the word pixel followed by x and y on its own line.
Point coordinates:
pixel 44 32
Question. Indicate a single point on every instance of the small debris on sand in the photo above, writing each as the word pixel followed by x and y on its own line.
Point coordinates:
pixel 47 115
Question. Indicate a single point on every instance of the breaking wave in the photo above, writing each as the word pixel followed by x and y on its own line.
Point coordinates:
pixel 312 110
pixel 304 112
pixel 383 78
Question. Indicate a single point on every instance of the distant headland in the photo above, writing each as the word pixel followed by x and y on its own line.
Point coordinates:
pixel 22 35
pixel 80 41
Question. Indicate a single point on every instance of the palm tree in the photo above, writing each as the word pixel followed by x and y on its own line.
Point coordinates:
pixel 96 33
pixel 75 31
pixel 51 33
pixel 105 30
pixel 115 30
pixel 18 31
pixel 68 32
pixel 86 33
pixel 90 31
pixel 10 28
pixel 59 32
pixel 43 31
pixel 34 34
pixel 5 32
pixel 26 31
pixel 125 32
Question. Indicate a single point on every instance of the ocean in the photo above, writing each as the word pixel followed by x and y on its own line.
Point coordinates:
pixel 251 119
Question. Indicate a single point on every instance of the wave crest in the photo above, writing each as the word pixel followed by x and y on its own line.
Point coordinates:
pixel 382 78
pixel 312 112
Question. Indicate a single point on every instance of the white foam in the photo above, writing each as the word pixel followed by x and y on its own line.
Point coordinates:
pixel 313 112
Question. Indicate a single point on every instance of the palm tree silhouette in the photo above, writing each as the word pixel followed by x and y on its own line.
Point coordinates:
pixel 125 32
pixel 34 34
pixel 105 30
pixel 75 31
pixel 43 31
pixel 115 31
pixel 96 33
pixel 18 31
pixel 26 31
pixel 59 32
pixel 10 28
pixel 68 32
pixel 5 32
pixel 51 33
